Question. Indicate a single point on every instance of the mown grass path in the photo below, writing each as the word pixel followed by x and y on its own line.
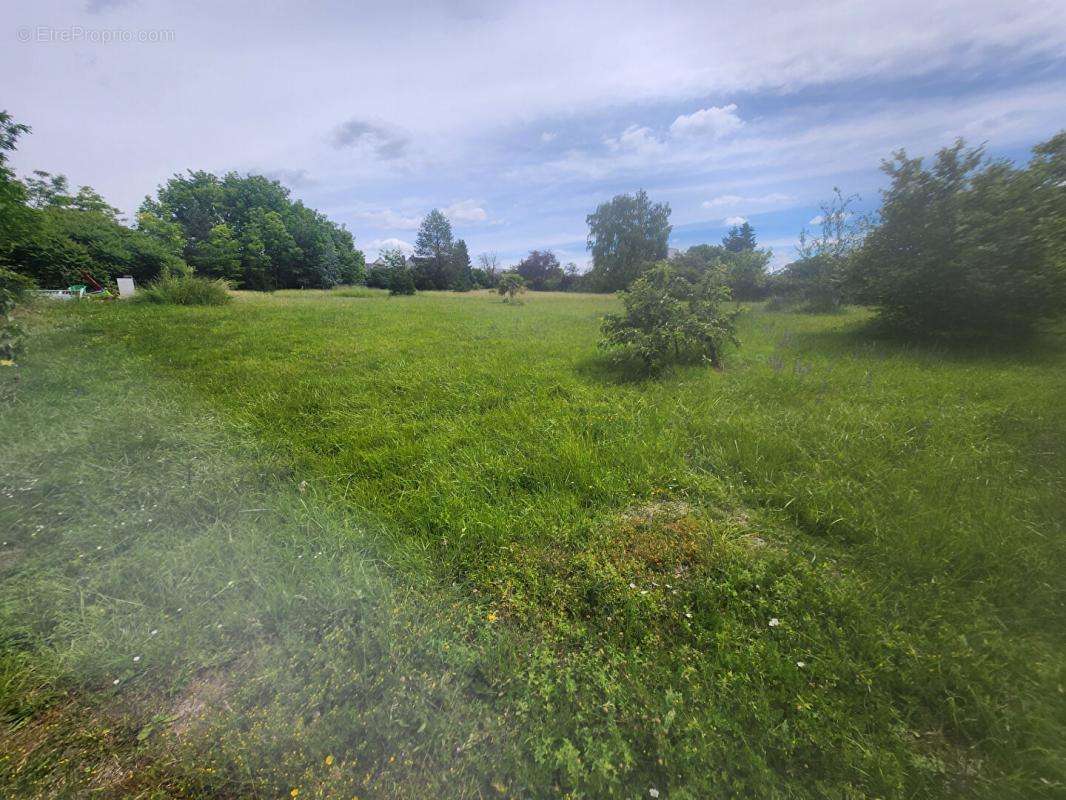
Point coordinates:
pixel 439 540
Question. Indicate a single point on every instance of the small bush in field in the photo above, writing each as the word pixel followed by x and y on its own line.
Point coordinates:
pixel 401 281
pixel 186 290
pixel 12 288
pixel 669 319
pixel 510 285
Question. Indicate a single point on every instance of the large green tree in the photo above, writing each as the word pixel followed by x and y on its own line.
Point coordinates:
pixel 968 246
pixel 279 243
pixel 434 251
pixel 541 270
pixel 16 219
pixel 626 236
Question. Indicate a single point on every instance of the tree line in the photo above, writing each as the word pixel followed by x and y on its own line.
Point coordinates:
pixel 965 244
pixel 244 229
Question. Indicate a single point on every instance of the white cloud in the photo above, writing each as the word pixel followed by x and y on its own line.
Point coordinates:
pixel 636 139
pixel 733 221
pixel 466 211
pixel 383 244
pixel 794 147
pixel 734 200
pixel 714 122
pixel 816 220
pixel 548 136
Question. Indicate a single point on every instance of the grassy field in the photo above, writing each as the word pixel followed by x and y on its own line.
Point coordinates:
pixel 336 544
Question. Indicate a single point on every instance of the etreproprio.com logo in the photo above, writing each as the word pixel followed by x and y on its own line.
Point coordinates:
pixel 77 34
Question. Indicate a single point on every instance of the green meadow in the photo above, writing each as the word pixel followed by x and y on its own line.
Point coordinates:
pixel 340 544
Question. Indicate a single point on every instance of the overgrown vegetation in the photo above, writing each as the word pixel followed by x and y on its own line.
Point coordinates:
pixel 312 544
pixel 833 569
pixel 13 288
pixel 185 290
pixel 669 319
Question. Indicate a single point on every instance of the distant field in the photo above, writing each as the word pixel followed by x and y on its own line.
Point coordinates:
pixel 348 545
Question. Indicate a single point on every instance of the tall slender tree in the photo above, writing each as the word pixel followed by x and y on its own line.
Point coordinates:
pixel 460 278
pixel 434 248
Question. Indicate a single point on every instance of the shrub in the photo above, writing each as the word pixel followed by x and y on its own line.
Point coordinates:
pixel 969 246
pixel 66 243
pixel 401 281
pixel 817 281
pixel 743 271
pixel 669 319
pixel 510 285
pixel 378 275
pixel 814 284
pixel 186 290
pixel 12 288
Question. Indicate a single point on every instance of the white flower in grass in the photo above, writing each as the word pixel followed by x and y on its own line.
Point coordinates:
pixel 801 664
pixel 774 622
pixel 688 615
pixel 115 681
pixel 153 632
pixel 136 659
pixel 632 585
pixel 653 792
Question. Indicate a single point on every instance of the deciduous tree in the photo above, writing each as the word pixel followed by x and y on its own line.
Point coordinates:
pixel 626 235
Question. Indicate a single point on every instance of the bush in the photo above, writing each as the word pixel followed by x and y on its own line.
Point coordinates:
pixel 968 247
pixel 510 285
pixel 669 319
pixel 12 288
pixel 64 244
pixel 401 281
pixel 814 284
pixel 186 290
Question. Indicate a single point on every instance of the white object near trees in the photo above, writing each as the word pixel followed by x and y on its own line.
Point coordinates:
pixel 125 287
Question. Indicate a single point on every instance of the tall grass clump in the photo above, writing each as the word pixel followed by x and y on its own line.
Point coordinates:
pixel 186 290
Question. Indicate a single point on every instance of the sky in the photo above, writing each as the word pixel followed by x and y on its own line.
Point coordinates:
pixel 518 118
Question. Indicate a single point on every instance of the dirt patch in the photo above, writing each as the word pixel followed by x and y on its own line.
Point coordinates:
pixel 9 556
pixel 203 695
pixel 658 511
pixel 661 537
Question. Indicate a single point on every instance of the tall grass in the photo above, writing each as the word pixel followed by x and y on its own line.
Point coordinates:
pixel 185 290
pixel 447 545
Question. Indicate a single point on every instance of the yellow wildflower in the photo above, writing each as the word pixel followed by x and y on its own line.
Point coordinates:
pixel 329 761
pixel 491 617
pixel 294 792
